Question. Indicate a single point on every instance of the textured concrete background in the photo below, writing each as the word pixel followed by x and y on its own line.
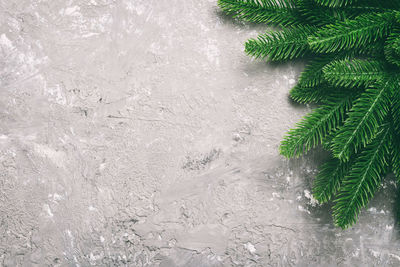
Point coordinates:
pixel 137 133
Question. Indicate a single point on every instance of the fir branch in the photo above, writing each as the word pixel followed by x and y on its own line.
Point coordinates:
pixel 352 45
pixel 328 180
pixel 305 94
pixel 395 127
pixel 274 12
pixel 316 15
pixel 289 43
pixel 348 34
pixel 315 94
pixel 363 180
pixel 335 3
pixel 328 140
pixel 363 122
pixel 371 51
pixel 353 73
pixel 395 148
pixel 370 6
pixel 312 75
pixel 315 126
pixel 355 6
pixel 392 47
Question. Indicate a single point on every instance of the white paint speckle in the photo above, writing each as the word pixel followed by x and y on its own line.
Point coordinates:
pixel 56 94
pixel 395 256
pixel 313 202
pixel 102 166
pixel 250 247
pixel 5 42
pixel 71 11
pixel 275 194
pixel 47 209
pixel 375 253
pixel 91 208
pixel 372 210
pixel 301 208
pixel 55 197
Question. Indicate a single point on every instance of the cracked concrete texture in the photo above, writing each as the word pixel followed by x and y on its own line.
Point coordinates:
pixel 137 133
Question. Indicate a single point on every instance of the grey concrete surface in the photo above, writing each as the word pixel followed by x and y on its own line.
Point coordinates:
pixel 138 133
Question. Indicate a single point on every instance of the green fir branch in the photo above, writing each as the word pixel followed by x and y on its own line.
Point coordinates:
pixel 363 179
pixel 363 122
pixel 395 127
pixel 328 179
pixel 315 126
pixel 316 15
pixel 356 33
pixel 289 43
pixel 313 75
pixel 336 3
pixel 353 73
pixel 352 49
pixel 392 48
pixel 304 94
pixel 274 12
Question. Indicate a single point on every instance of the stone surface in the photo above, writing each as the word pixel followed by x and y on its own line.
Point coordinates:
pixel 138 133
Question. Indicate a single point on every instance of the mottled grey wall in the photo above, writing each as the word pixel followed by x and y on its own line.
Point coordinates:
pixel 138 133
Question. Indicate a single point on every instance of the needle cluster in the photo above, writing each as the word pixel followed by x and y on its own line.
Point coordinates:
pixel 353 52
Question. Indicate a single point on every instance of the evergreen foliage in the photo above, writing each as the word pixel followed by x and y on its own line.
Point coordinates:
pixel 353 53
pixel 353 73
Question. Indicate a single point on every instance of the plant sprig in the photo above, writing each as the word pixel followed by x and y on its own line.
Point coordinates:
pixel 353 53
